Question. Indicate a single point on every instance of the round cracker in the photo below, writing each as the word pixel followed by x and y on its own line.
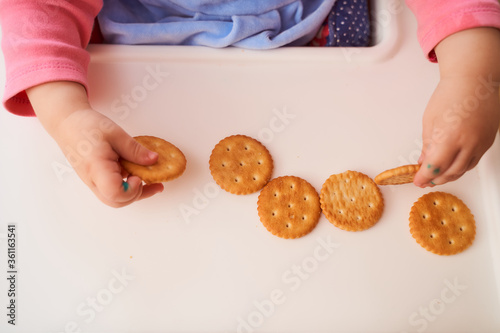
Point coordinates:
pixel 351 201
pixel 289 207
pixel 442 224
pixel 170 165
pixel 240 164
pixel 397 176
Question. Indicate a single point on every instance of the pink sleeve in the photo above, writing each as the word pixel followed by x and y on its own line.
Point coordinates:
pixel 44 41
pixel 439 19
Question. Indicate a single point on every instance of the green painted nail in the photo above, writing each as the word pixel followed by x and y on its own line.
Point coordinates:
pixel 436 171
pixel 432 183
pixel 125 186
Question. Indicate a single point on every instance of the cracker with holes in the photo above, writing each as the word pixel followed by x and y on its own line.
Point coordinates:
pixel 351 201
pixel 240 164
pixel 442 224
pixel 170 165
pixel 289 207
pixel 397 176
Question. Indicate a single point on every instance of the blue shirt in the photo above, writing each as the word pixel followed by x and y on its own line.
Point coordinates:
pixel 252 24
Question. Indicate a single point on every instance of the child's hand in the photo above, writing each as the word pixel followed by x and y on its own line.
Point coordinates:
pixel 462 117
pixel 92 143
pixel 458 128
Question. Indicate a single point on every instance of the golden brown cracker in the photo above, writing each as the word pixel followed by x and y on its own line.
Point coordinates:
pixel 351 201
pixel 289 207
pixel 170 165
pixel 240 164
pixel 400 175
pixel 442 224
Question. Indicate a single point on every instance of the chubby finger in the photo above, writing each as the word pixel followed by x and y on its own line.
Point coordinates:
pixel 435 162
pixel 426 142
pixel 129 191
pixel 473 162
pixel 113 191
pixel 124 173
pixel 129 149
pixel 459 166
pixel 150 190
pixel 107 183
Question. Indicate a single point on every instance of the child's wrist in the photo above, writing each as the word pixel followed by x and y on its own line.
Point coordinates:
pixel 470 53
pixel 53 102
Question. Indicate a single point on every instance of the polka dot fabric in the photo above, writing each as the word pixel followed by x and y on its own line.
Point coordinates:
pixel 347 25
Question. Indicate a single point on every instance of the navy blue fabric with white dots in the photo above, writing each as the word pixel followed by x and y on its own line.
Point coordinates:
pixel 349 24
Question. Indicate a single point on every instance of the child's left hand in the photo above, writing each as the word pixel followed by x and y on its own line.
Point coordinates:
pixel 459 125
pixel 463 115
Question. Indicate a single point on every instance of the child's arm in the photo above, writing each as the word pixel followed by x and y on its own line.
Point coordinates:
pixel 463 115
pixel 44 41
pixel 91 142
pixel 46 68
pixel 459 121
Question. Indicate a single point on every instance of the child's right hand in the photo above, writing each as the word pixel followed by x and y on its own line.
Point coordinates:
pixel 462 117
pixel 92 143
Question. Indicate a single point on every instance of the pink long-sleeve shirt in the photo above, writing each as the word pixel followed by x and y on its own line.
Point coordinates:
pixel 45 41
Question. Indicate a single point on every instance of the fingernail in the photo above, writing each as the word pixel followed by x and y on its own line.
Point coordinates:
pixel 152 155
pixel 436 171
pixel 125 186
pixel 432 183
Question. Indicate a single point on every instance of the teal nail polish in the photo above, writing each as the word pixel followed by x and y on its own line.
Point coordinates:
pixel 436 171
pixel 125 186
pixel 432 183
pixel 429 166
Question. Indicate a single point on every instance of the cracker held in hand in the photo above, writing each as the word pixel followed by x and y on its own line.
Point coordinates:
pixel 397 176
pixel 240 164
pixel 351 201
pixel 170 165
pixel 289 207
pixel 442 224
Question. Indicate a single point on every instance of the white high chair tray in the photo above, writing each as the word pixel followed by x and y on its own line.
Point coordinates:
pixel 196 258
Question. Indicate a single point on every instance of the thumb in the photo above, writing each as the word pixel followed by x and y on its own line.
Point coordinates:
pixel 426 146
pixel 427 132
pixel 132 151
